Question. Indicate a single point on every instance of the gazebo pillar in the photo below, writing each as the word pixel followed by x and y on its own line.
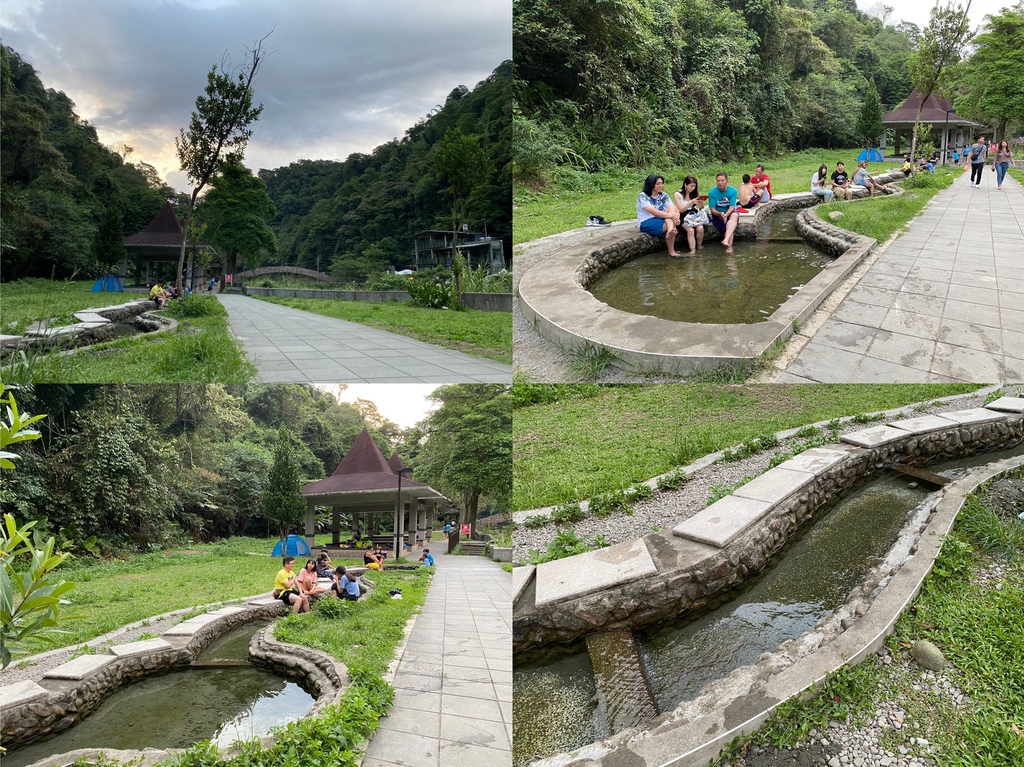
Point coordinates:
pixel 335 524
pixel 310 523
pixel 422 536
pixel 399 519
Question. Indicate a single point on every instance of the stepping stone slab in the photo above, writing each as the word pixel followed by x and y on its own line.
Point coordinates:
pixel 80 667
pixel 923 424
pixel 21 692
pixel 593 571
pixel 1003 404
pixel 975 415
pixel 722 521
pixel 816 461
pixel 520 580
pixel 775 486
pixel 139 648
pixel 229 610
pixel 874 437
pixel 261 601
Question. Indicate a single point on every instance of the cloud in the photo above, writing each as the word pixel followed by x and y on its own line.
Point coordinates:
pixel 344 75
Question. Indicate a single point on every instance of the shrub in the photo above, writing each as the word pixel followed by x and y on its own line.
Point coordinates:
pixel 673 480
pixel 390 281
pixel 432 295
pixel 567 513
pixel 536 521
pixel 196 306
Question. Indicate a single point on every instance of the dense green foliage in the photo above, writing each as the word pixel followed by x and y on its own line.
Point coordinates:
pixel 634 83
pixel 64 197
pixel 355 217
pixel 143 465
pixel 470 440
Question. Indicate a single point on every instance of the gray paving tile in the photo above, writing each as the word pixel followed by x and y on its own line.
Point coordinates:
pixel 478 732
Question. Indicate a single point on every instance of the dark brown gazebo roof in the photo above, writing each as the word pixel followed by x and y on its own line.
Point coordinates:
pixel 395 462
pixel 161 235
pixel 364 470
pixel 934 111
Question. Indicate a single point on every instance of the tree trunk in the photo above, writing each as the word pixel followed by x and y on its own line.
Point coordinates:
pixel 184 240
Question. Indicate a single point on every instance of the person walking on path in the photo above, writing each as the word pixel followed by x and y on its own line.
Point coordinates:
pixel 1001 160
pixel 978 155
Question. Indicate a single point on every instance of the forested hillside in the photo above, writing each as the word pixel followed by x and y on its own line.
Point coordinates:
pixel 67 200
pixel 64 197
pixel 638 82
pixel 361 214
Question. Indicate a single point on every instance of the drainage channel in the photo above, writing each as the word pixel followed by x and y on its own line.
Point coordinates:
pixel 220 697
pixel 561 695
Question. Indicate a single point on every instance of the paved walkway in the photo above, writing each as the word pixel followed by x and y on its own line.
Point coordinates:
pixel 292 346
pixel 944 303
pixel 453 686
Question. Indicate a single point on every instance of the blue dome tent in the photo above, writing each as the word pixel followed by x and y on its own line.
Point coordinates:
pixel 292 546
pixel 871 155
pixel 107 284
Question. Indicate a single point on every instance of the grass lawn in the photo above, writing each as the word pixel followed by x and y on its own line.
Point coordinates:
pixel 572 449
pixel 612 194
pixel 882 217
pixel 201 351
pixel 975 623
pixel 108 595
pixel 484 334
pixel 33 300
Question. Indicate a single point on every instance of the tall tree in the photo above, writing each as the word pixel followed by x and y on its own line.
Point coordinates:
pixel 993 78
pixel 282 500
pixel 468 452
pixel 869 124
pixel 461 160
pixel 941 46
pixel 236 213
pixel 220 123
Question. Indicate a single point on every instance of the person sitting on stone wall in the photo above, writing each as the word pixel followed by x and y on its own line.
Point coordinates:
pixel 307 580
pixel 371 561
pixel 286 587
pixel 344 586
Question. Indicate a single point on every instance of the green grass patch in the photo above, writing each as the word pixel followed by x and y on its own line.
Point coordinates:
pixel 202 350
pixel 108 595
pixel 363 635
pixel 483 334
pixel 882 217
pixel 34 300
pixel 571 450
pixel 613 193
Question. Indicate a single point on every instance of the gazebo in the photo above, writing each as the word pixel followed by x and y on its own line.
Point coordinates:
pixel 160 242
pixel 365 485
pixel 936 111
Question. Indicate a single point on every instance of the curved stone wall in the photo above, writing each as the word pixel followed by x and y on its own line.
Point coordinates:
pixel 666 574
pixel 29 710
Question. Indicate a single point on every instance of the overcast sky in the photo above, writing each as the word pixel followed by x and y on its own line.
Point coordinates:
pixel 404 404
pixel 919 11
pixel 344 75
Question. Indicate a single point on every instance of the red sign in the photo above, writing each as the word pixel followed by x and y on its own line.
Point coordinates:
pixel 465 530
pixel 227 278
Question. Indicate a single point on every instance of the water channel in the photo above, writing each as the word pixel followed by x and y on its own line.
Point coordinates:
pixel 713 286
pixel 555 696
pixel 224 701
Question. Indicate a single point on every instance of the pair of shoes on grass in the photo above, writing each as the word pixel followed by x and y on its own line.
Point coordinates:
pixel 598 221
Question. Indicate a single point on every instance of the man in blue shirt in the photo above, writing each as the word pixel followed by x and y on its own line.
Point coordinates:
pixel 722 204
pixel 426 558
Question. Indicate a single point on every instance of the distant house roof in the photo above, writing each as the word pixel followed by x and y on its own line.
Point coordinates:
pixel 362 470
pixel 395 462
pixel 934 112
pixel 163 232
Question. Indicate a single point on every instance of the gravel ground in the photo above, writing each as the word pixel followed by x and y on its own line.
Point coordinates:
pixel 667 509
